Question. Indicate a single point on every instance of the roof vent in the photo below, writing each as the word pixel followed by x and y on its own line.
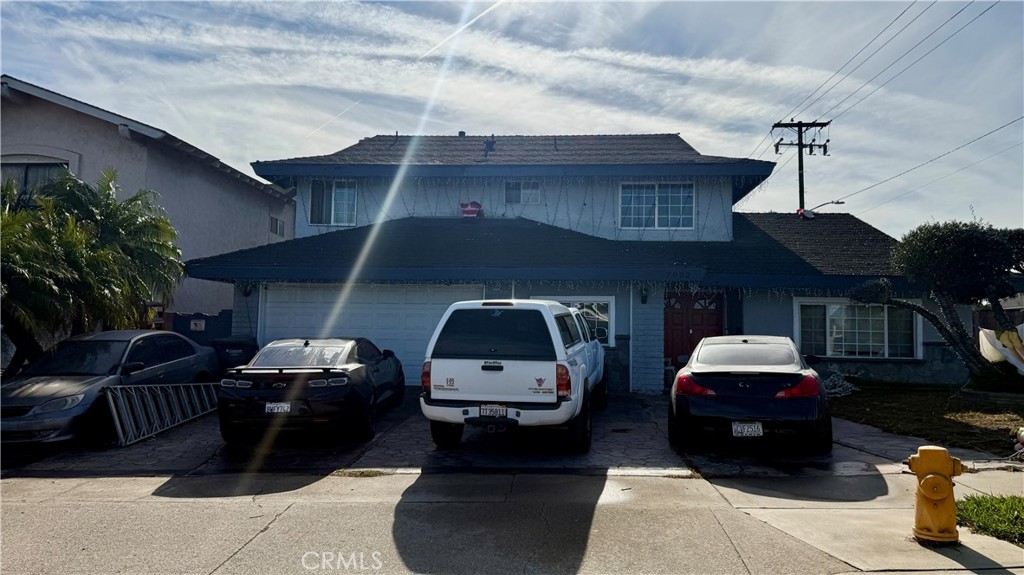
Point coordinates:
pixel 462 133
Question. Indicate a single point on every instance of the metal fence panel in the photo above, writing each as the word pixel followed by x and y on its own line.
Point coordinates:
pixel 141 411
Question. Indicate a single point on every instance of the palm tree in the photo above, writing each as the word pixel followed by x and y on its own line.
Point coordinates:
pixel 75 257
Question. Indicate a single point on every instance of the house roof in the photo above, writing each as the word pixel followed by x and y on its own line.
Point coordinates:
pixel 13 89
pixel 538 156
pixel 769 250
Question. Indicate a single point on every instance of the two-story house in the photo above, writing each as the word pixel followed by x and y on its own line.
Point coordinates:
pixel 214 207
pixel 638 230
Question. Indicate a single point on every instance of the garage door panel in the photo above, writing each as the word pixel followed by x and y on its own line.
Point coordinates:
pixel 396 317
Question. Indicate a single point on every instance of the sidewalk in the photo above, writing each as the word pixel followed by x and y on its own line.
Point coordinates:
pixel 864 514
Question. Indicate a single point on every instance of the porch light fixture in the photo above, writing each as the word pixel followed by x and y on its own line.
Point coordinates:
pixel 643 295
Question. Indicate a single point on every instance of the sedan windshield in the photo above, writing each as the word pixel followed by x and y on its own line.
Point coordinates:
pixel 747 354
pixel 311 356
pixel 79 358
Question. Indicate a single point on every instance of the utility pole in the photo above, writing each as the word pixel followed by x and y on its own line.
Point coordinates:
pixel 800 128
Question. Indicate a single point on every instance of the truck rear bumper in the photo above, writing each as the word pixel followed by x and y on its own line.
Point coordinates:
pixel 519 414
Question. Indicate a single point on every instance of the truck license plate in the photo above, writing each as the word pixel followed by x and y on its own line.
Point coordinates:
pixel 493 411
pixel 284 407
pixel 743 429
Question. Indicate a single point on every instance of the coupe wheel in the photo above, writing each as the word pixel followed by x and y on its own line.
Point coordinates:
pixel 366 422
pixel 233 434
pixel 446 435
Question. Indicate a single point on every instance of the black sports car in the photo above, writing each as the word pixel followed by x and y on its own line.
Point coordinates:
pixel 330 384
pixel 749 386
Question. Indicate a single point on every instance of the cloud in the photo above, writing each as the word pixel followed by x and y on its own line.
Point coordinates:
pixel 254 81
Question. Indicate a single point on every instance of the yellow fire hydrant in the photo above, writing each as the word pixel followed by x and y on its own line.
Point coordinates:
pixel 935 507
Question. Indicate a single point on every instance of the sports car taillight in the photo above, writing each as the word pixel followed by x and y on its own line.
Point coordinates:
pixel 686 386
pixel 563 382
pixel 808 387
pixel 425 377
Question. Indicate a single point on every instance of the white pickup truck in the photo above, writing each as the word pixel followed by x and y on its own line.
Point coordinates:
pixel 501 364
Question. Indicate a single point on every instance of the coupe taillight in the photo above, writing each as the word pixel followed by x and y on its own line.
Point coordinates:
pixel 808 387
pixel 563 382
pixel 685 385
pixel 425 377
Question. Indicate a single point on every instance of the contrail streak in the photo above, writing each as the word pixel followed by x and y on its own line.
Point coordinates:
pixel 464 26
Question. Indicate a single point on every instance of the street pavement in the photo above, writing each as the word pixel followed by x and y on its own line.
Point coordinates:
pixel 183 502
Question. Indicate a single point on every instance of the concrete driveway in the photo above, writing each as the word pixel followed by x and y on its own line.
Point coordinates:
pixel 185 503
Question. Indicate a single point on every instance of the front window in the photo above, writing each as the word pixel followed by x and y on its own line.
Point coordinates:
pixel 842 329
pixel 596 310
pixel 332 202
pixel 29 176
pixel 656 206
pixel 522 192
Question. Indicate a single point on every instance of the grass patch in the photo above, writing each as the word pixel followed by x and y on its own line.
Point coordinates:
pixel 933 413
pixel 999 517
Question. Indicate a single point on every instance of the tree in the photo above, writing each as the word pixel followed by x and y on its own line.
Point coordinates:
pixel 74 256
pixel 958 263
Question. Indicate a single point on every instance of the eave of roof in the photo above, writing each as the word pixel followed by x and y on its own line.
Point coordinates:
pixel 10 85
pixel 769 251
pixel 623 155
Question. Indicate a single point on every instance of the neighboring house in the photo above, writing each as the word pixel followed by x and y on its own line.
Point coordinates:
pixel 214 208
pixel 638 230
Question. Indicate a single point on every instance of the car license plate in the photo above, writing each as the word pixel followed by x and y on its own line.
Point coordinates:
pixel 493 411
pixel 743 429
pixel 284 407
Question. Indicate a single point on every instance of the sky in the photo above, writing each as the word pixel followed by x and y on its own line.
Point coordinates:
pixel 925 98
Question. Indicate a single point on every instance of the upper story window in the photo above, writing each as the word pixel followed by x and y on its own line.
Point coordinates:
pixel 332 202
pixel 29 176
pixel 656 206
pixel 277 226
pixel 838 328
pixel 522 192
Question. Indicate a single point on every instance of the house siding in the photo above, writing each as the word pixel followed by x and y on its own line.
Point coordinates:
pixel 647 371
pixel 588 205
pixel 212 212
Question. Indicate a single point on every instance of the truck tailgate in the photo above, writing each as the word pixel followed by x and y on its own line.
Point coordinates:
pixel 506 381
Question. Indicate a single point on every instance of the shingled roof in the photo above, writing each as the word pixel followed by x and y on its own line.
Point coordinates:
pixel 631 155
pixel 769 250
pixel 519 150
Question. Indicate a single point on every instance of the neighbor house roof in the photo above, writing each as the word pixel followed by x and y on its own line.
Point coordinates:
pixel 13 89
pixel 769 250
pixel 662 155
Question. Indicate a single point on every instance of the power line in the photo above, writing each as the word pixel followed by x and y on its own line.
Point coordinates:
pixel 912 48
pixel 912 63
pixel 940 178
pixel 865 60
pixel 933 159
pixel 882 31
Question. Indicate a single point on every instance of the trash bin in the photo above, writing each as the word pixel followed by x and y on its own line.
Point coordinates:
pixel 235 350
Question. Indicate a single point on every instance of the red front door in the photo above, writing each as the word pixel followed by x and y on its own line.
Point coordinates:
pixel 688 318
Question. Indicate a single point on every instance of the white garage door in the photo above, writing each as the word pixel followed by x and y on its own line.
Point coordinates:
pixel 397 317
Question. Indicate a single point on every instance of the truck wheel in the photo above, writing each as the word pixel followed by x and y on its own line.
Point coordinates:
pixel 580 429
pixel 601 394
pixel 446 435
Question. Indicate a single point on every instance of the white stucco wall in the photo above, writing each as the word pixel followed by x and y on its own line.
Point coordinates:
pixel 586 205
pixel 213 212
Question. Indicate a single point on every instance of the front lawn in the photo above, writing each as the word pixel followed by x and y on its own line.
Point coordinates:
pixel 935 413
